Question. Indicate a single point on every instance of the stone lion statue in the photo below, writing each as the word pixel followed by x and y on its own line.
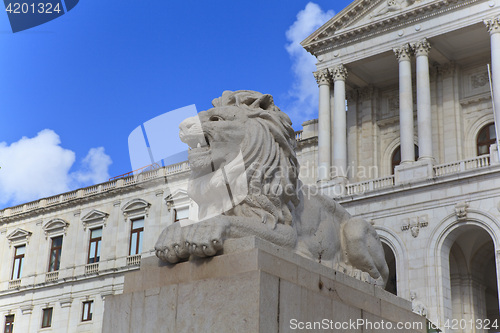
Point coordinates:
pixel 245 180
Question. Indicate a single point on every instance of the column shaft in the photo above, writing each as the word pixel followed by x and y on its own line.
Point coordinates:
pixel 324 158
pixel 493 26
pixel 405 105
pixel 339 122
pixel 424 118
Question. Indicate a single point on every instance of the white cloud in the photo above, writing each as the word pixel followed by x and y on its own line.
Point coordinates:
pixel 304 90
pixel 33 168
pixel 94 167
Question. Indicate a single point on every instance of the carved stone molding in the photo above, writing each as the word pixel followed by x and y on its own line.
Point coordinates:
pixel 421 48
pixel 136 207
pixel 94 218
pixel 493 25
pixel 55 226
pixel 414 224
pixel 479 80
pixel 19 236
pixel 403 53
pixel 323 77
pixel 338 33
pixel 461 210
pixel 339 73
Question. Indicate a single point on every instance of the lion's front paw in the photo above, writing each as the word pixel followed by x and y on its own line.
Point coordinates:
pixel 171 246
pixel 205 238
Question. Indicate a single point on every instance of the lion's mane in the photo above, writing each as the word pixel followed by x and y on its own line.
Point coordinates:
pixel 270 160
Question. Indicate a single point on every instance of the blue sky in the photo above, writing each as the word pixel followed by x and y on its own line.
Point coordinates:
pixel 74 88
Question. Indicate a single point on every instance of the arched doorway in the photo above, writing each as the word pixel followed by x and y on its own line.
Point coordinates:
pixel 473 293
pixel 390 258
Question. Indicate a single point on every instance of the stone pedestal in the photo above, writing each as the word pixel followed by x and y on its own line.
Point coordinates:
pixel 253 286
pixel 413 172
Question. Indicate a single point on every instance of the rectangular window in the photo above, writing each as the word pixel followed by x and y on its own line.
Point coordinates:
pixel 55 253
pixel 47 317
pixel 181 214
pixel 95 245
pixel 136 237
pixel 9 324
pixel 17 270
pixel 88 308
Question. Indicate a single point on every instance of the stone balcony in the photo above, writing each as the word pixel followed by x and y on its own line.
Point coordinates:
pixel 70 274
pixel 96 189
pixel 440 173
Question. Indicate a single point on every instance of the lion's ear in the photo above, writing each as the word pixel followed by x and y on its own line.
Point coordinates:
pixel 264 102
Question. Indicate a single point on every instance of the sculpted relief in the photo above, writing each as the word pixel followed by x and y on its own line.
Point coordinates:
pixel 394 6
pixel 245 180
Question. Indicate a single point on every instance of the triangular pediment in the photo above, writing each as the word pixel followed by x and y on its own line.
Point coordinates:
pixel 178 197
pixel 179 194
pixel 19 235
pixel 94 216
pixel 365 17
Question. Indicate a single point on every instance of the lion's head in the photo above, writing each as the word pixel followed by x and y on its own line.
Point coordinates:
pixel 242 157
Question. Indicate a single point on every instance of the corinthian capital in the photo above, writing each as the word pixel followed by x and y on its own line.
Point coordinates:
pixel 403 52
pixel 421 47
pixel 493 25
pixel 339 73
pixel 322 77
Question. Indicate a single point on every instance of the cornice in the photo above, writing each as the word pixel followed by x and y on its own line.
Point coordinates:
pixel 78 201
pixel 475 99
pixel 319 43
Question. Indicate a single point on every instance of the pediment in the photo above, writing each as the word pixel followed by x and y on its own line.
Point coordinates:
pixel 55 226
pixel 366 17
pixel 135 206
pixel 179 196
pixel 94 217
pixel 19 235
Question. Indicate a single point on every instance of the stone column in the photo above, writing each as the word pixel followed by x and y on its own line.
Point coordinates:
pixel 493 26
pixel 323 79
pixel 339 151
pixel 424 118
pixel 405 104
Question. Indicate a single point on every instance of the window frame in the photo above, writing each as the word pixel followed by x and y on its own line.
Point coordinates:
pixel 9 324
pixel 21 262
pixel 47 313
pixel 487 143
pixel 140 233
pixel 176 219
pixel 398 148
pixel 89 305
pixel 98 241
pixel 58 250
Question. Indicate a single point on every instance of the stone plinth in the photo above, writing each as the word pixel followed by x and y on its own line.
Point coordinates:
pixel 413 172
pixel 253 286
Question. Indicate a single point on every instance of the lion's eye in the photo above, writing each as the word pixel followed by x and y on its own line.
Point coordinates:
pixel 216 118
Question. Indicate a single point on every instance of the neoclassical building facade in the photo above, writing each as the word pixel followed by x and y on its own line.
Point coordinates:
pixel 405 138
pixel 62 255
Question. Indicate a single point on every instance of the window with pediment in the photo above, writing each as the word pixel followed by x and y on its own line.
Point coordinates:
pixel 178 204
pixel 94 218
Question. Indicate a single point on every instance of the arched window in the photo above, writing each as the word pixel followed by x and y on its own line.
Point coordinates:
pixel 396 157
pixel 485 139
